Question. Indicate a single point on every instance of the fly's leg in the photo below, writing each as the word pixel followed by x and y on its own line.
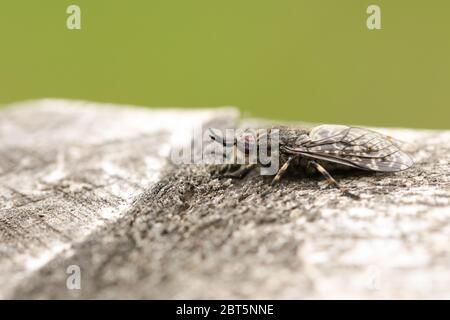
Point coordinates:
pixel 241 172
pixel 230 166
pixel 229 170
pixel 331 180
pixel 224 169
pixel 279 175
pixel 282 171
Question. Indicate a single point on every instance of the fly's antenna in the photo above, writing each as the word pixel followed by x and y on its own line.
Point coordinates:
pixel 218 138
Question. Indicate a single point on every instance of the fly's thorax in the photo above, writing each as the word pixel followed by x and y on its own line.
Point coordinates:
pixel 293 137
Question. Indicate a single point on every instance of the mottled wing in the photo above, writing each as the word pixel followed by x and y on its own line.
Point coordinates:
pixel 355 147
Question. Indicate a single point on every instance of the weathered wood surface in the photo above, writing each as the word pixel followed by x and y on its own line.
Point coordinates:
pixel 90 185
pixel 68 168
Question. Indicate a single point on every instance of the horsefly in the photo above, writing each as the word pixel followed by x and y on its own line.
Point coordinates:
pixel 322 149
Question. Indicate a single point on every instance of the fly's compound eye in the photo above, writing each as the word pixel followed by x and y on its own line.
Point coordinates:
pixel 246 142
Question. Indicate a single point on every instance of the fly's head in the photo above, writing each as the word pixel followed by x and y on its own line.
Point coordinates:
pixel 252 140
pixel 246 141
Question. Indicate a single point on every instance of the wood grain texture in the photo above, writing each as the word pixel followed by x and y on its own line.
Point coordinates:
pixel 89 185
pixel 68 168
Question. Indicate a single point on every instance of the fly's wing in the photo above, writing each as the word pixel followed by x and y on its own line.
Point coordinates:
pixel 355 147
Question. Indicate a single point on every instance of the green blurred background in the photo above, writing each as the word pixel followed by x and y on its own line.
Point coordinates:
pixel 311 60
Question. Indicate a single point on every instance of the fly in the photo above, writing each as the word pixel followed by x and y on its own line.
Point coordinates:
pixel 325 148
